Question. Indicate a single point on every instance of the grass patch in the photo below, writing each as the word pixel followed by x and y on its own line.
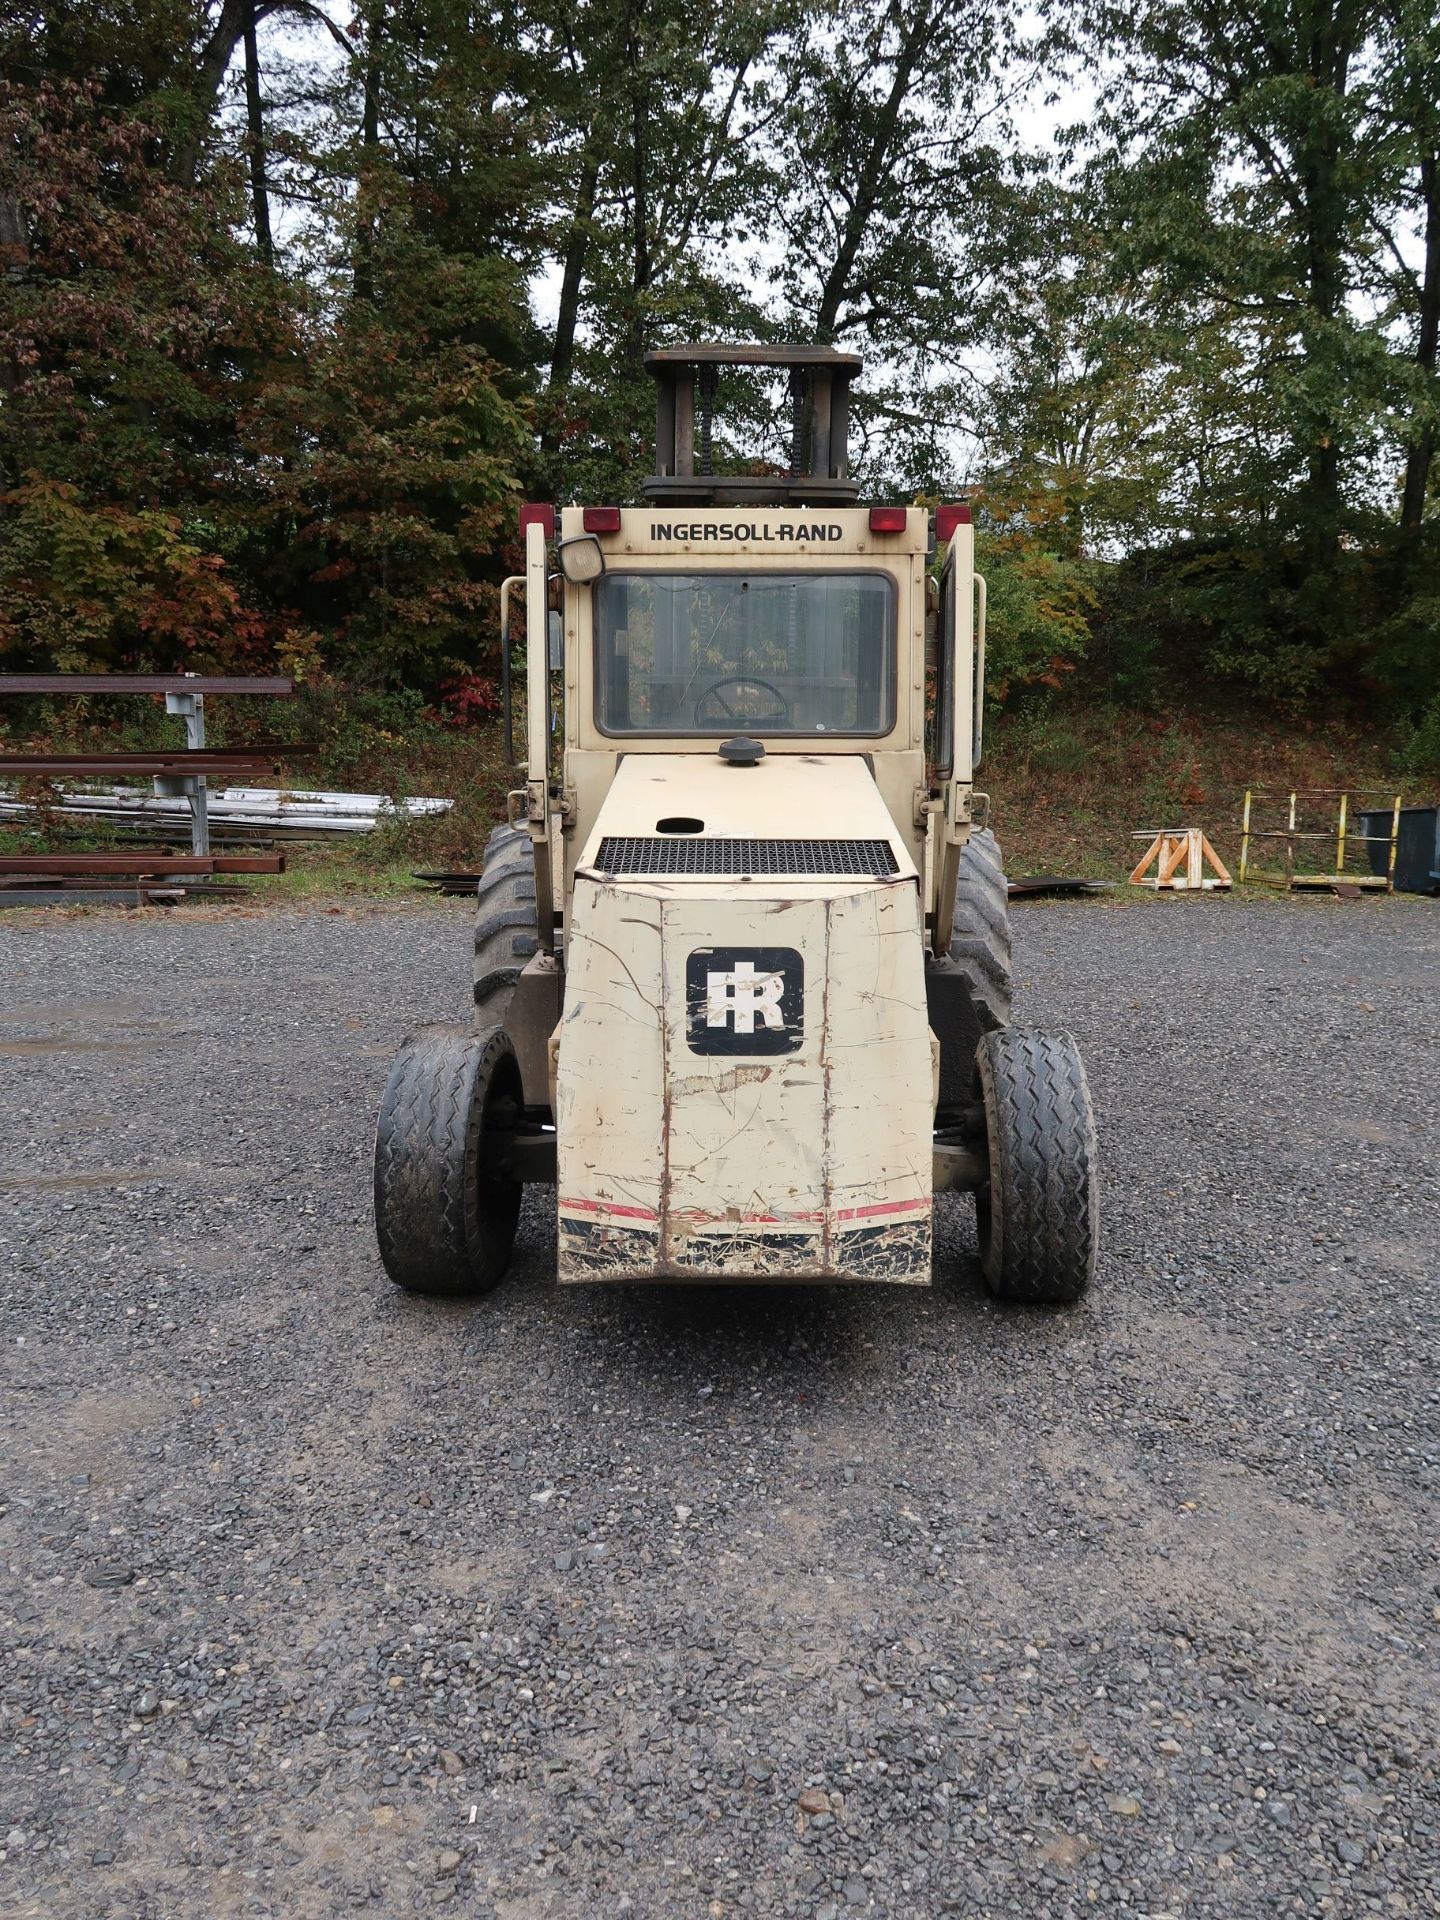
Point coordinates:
pixel 1070 786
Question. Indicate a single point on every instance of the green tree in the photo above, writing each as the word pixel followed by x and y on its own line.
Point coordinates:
pixel 395 451
pixel 1405 111
pixel 397 445
pixel 658 121
pixel 1251 129
pixel 131 326
pixel 892 166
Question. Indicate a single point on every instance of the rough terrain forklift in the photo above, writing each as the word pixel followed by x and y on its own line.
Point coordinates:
pixel 742 956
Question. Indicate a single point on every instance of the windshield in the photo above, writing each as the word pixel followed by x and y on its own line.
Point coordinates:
pixel 745 653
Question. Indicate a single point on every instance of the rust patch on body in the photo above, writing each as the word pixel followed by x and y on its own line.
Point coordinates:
pixel 756 1250
pixel 730 1081
pixel 603 1250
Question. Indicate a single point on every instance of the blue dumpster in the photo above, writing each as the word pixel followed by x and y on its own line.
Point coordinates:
pixel 1417 847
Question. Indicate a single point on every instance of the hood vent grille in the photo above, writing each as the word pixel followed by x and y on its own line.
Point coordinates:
pixel 806 859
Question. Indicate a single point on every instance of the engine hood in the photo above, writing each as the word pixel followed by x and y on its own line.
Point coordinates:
pixel 691 816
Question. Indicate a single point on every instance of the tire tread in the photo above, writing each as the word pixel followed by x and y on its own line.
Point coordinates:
pixel 980 943
pixel 507 922
pixel 443 1226
pixel 1039 1223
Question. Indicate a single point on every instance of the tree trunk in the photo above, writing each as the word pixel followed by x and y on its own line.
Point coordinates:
pixel 1328 65
pixel 1421 454
pixel 369 142
pixel 14 268
pixel 837 282
pixel 640 182
pixel 577 248
pixel 1322 485
pixel 236 16
pixel 255 119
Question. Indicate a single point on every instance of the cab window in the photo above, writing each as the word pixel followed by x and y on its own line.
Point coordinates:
pixel 724 653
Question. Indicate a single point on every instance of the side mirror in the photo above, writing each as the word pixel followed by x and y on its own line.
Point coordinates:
pixel 581 559
pixel 556 631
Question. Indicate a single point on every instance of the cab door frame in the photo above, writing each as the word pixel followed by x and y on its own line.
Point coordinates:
pixel 960 708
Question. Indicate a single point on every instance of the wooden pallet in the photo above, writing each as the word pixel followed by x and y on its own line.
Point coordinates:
pixel 1172 847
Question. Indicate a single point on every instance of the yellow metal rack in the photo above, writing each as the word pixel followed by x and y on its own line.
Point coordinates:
pixel 1299 804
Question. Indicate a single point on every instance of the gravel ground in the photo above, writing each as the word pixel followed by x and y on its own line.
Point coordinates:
pixel 319 1598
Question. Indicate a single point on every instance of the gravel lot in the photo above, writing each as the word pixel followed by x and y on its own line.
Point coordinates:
pixel 319 1598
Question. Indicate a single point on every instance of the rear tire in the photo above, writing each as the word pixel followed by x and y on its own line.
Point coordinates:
pixel 507 924
pixel 444 1222
pixel 980 943
pixel 968 992
pixel 1038 1215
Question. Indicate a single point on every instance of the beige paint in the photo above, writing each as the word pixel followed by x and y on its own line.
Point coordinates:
pixel 927 823
pixel 787 796
pixel 813 1164
pixel 809 1165
pixel 898 777
pixel 950 818
pixel 537 704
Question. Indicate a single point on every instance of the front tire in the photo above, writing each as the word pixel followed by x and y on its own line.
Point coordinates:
pixel 445 1222
pixel 1038 1215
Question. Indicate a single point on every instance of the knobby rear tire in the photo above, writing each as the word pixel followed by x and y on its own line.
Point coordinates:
pixel 968 991
pixel 507 922
pixel 980 941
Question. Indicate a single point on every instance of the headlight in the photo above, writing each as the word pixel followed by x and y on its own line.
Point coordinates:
pixel 581 559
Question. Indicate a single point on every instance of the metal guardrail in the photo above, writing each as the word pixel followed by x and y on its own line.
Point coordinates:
pixel 232 760
pixel 178 775
pixel 88 865
pixel 277 686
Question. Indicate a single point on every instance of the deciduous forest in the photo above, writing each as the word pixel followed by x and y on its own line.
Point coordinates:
pixel 298 302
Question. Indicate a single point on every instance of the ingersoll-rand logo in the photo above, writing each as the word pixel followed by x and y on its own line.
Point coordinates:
pixel 745 1000
pixel 727 533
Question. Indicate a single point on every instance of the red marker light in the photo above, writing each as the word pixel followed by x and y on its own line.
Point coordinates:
pixel 948 518
pixel 534 512
pixel 602 520
pixel 887 519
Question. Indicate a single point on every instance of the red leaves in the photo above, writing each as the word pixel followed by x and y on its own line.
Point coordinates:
pixel 468 700
pixel 84 584
pixel 220 457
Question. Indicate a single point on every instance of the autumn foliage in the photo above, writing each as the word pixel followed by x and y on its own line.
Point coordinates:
pixel 297 304
pixel 202 466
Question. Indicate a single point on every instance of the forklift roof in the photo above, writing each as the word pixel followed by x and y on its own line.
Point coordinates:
pixel 750 354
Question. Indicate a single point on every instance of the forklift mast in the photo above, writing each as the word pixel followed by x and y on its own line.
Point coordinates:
pixel 687 382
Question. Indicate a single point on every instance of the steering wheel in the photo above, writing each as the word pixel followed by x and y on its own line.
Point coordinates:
pixel 781 717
